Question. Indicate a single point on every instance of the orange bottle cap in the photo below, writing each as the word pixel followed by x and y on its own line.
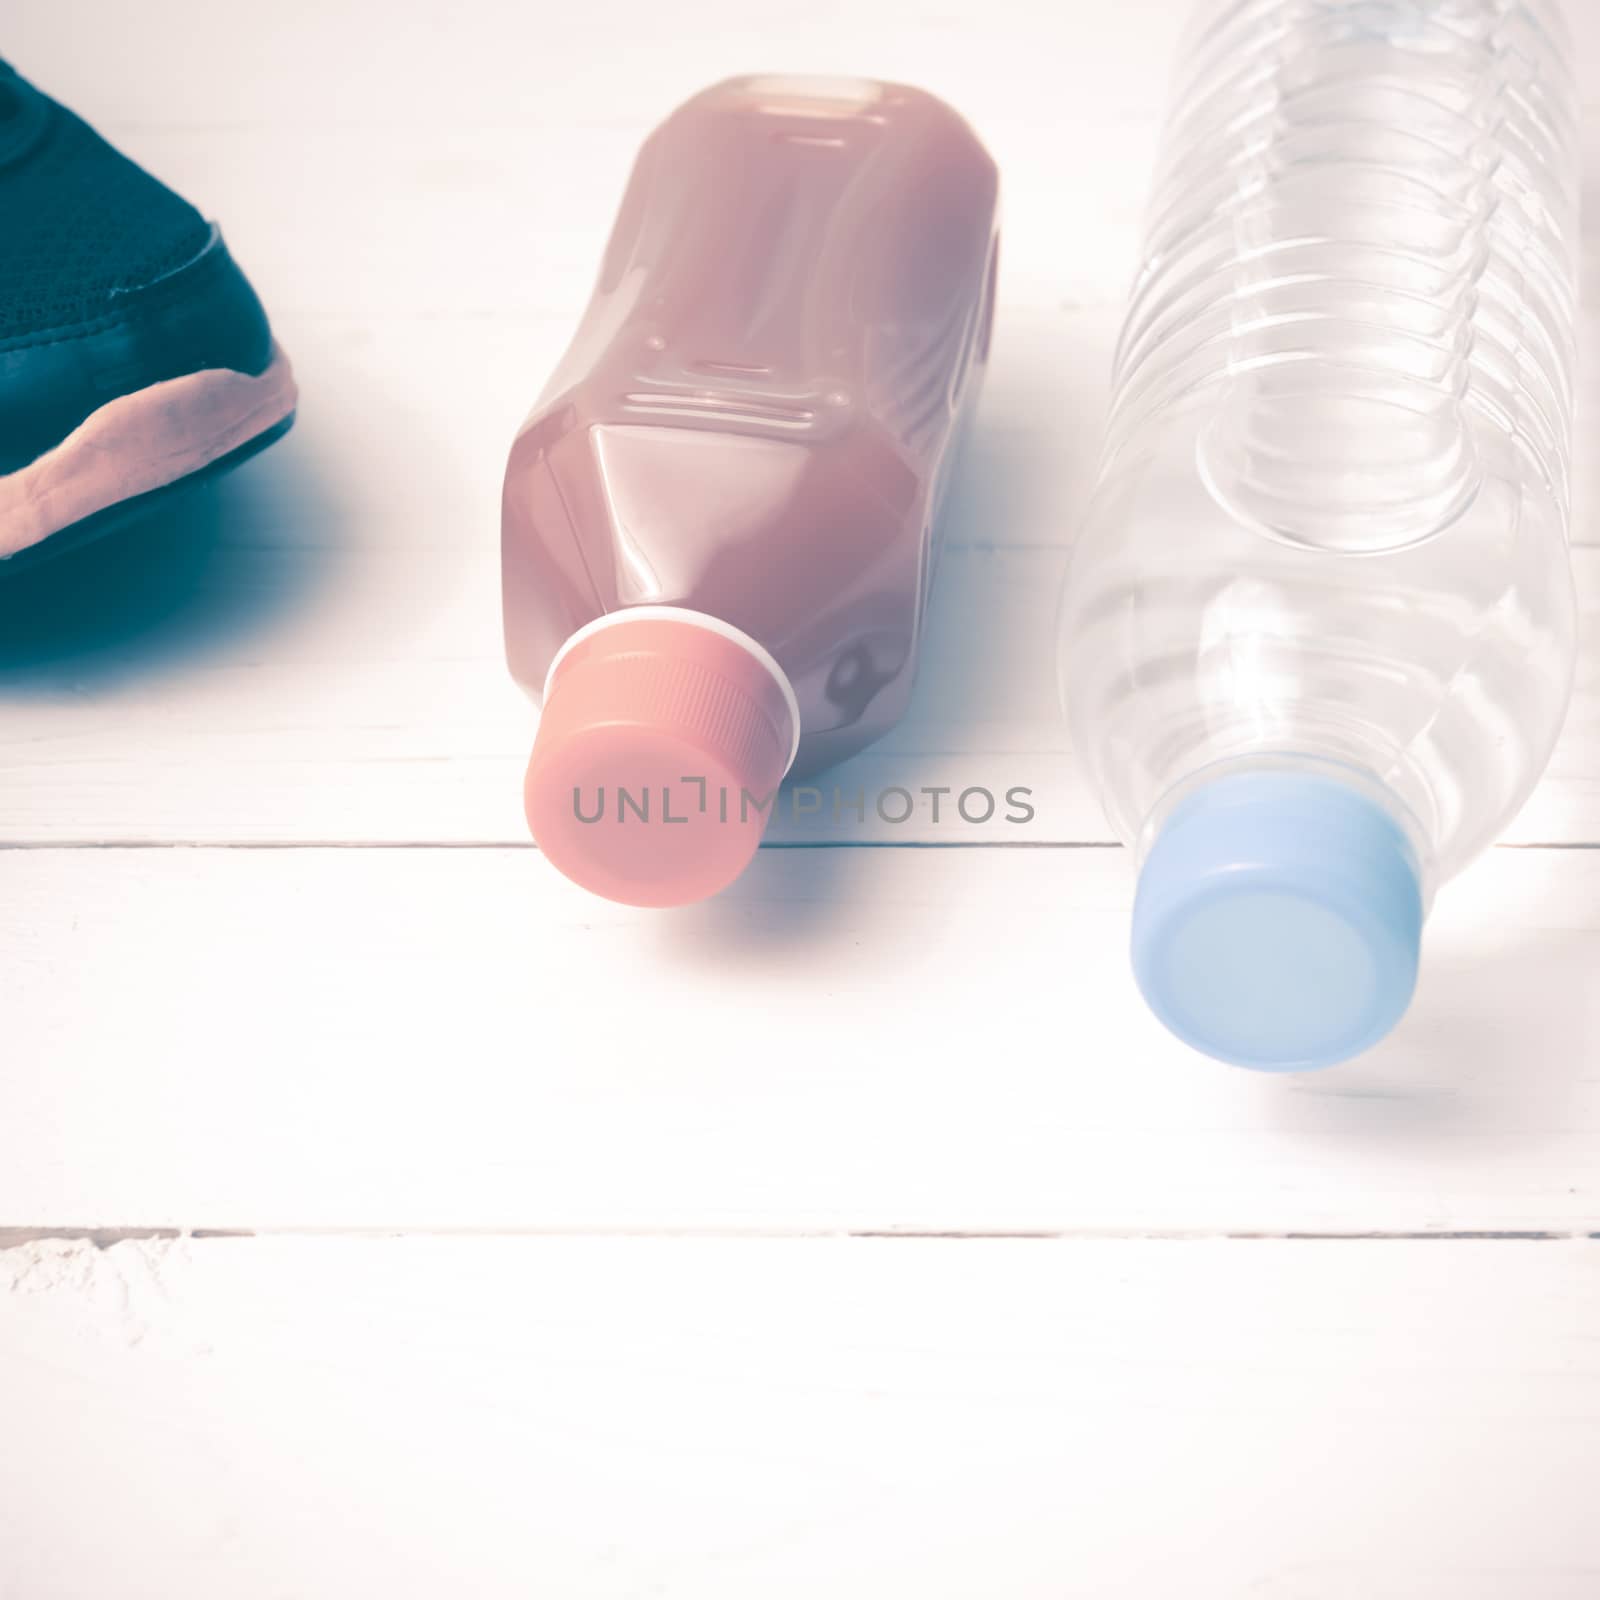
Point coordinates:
pixel 663 740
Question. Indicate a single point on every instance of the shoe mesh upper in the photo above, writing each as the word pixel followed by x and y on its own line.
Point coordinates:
pixel 78 220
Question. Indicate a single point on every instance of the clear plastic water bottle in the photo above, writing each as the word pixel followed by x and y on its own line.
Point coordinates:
pixel 1318 630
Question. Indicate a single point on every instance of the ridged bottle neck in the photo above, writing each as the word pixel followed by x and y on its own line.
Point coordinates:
pixel 1361 270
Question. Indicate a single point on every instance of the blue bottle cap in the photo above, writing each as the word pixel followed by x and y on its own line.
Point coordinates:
pixel 1278 922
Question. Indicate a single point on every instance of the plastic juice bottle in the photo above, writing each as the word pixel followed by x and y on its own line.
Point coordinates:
pixel 721 520
pixel 1318 632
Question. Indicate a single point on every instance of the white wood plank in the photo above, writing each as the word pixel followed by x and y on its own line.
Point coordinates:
pixel 464 257
pixel 311 652
pixel 868 1039
pixel 311 649
pixel 503 64
pixel 712 1420
pixel 217 687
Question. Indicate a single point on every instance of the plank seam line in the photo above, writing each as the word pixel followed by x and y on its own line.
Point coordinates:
pixel 104 1238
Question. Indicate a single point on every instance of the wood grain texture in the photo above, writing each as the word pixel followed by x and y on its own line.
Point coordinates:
pixel 635 1344
pixel 847 1040
pixel 712 1420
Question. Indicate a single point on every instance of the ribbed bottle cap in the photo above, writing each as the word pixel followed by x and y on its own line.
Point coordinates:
pixel 1278 922
pixel 658 758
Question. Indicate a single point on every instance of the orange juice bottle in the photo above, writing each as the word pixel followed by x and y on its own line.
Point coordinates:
pixel 720 521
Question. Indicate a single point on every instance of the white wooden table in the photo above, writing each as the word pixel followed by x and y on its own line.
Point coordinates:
pixel 382 1216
